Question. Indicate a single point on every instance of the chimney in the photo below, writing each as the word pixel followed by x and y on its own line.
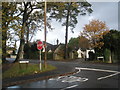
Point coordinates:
pixel 57 41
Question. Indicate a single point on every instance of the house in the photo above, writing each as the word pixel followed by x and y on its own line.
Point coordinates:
pixel 50 47
pixel 73 54
pixel 12 52
pixel 59 52
pixel 88 51
pixel 81 53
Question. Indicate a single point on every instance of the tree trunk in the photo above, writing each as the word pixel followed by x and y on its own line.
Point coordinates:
pixel 22 40
pixel 20 50
pixel 4 38
pixel 110 58
pixel 27 36
pixel 66 46
pixel 66 34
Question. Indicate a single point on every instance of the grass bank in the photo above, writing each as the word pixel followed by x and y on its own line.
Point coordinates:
pixel 16 71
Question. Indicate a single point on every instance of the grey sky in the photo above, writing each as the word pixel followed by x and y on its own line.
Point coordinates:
pixel 104 11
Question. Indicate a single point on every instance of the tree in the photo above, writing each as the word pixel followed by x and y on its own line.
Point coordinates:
pixel 94 31
pixel 8 16
pixel 79 42
pixel 35 23
pixel 83 42
pixel 26 8
pixel 67 12
pixel 112 42
pixel 73 43
pixel 32 20
pixel 26 11
pixel 13 23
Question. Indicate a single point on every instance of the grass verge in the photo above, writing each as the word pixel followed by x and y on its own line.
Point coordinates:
pixel 16 71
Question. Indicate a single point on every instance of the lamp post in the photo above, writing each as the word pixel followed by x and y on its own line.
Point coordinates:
pixel 45 34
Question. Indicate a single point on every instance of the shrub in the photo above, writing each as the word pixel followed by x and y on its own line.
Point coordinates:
pixel 106 54
pixel 50 55
pixel 34 55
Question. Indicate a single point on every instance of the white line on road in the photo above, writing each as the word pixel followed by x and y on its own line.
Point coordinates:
pixel 108 76
pixel 96 69
pixel 69 87
pixel 79 70
pixel 72 86
pixel 101 70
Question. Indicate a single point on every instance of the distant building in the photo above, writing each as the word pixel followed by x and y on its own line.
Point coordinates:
pixel 50 47
pixel 11 51
pixel 87 52
pixel 81 54
pixel 59 52
pixel 50 51
pixel 84 53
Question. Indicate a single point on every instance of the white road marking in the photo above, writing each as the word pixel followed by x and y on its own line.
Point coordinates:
pixel 69 79
pixel 72 86
pixel 101 70
pixel 74 79
pixel 96 69
pixel 69 87
pixel 79 70
pixel 58 78
pixel 108 76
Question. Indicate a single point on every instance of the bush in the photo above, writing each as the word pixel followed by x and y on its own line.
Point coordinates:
pixel 42 55
pixel 106 54
pixel 31 52
pixel 75 54
pixel 115 57
pixel 34 55
pixel 27 51
pixel 50 55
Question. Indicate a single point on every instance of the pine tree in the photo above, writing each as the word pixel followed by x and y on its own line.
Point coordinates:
pixel 67 12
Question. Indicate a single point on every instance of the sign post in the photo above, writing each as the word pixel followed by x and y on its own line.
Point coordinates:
pixel 39 47
pixel 40 60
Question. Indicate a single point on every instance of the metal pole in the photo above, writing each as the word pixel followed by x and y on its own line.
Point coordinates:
pixel 45 33
pixel 40 61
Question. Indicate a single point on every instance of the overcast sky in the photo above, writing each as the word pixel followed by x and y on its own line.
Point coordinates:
pixel 104 11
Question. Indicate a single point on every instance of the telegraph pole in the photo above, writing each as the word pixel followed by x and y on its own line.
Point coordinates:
pixel 45 34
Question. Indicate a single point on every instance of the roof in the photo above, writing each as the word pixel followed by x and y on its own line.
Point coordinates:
pixel 50 46
pixel 59 49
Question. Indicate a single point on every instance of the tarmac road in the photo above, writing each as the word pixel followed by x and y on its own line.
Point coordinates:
pixel 90 75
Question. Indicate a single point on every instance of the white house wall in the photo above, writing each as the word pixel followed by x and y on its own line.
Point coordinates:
pixel 79 53
pixel 87 52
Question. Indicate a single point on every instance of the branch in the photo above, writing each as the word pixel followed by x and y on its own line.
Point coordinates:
pixel 31 8
pixel 19 14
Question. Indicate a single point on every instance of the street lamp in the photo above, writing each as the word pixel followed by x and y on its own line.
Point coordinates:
pixel 45 34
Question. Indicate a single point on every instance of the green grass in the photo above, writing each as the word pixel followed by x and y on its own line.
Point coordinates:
pixel 16 71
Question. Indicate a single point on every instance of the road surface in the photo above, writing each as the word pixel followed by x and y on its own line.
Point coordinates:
pixel 89 75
